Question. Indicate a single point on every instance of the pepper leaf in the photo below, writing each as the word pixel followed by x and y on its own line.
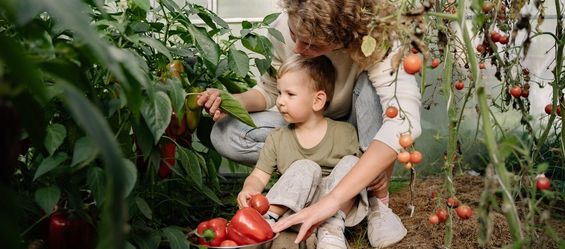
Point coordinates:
pixel 49 164
pixel 176 238
pixel 47 198
pixel 157 114
pixel 144 207
pixel 56 133
pixel 238 62
pixel 85 151
pixel 232 106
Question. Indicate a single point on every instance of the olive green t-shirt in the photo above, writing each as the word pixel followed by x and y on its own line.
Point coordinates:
pixel 282 148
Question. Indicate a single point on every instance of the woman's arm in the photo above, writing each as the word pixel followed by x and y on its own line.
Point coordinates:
pixel 372 163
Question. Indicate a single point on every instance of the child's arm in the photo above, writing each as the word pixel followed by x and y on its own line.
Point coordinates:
pixel 254 184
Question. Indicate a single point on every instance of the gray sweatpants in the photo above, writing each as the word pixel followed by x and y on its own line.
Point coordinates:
pixel 302 184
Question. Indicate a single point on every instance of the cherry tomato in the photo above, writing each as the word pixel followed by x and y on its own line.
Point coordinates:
pixel 405 140
pixel 260 203
pixel 482 66
pixel 548 108
pixel 543 183
pixel 452 202
pixel 441 214
pixel 459 85
pixel 228 243
pixel 433 219
pixel 487 7
pixel 435 62
pixel 525 93
pixel 408 165
pixel 464 212
pixel 403 157
pixel 516 91
pixel 412 63
pixel 503 39
pixel 391 111
pixel 494 36
pixel 415 157
pixel 481 48
pixel 525 71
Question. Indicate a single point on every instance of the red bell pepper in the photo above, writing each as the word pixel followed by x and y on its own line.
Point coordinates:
pixel 66 233
pixel 212 232
pixel 167 159
pixel 58 226
pixel 249 227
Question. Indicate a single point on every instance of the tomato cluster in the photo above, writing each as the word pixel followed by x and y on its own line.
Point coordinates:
pixel 441 215
pixel 408 155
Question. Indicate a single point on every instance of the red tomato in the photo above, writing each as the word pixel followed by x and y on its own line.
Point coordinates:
pixel 543 183
pixel 481 48
pixel 482 66
pixel 435 62
pixel 459 85
pixel 525 71
pixel 260 203
pixel 403 157
pixel 228 243
pixel 503 39
pixel 464 212
pixel 452 202
pixel 525 93
pixel 414 50
pixel 442 215
pixel 412 63
pixel 495 36
pixel 548 108
pixel 391 111
pixel 405 140
pixel 433 219
pixel 516 91
pixel 415 157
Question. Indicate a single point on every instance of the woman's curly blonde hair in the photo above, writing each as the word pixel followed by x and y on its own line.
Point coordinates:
pixel 344 23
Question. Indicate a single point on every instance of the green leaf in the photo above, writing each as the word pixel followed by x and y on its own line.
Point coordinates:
pixel 176 237
pixel 157 45
pixel 95 181
pixel 276 33
pixel 231 106
pixel 207 47
pixel 56 133
pixel 542 168
pixel 129 245
pixel 211 194
pixel 157 114
pixel 143 4
pixel 47 198
pixel 177 95
pixel 49 164
pixel 190 164
pixel 263 65
pixel 144 207
pixel 270 18
pixel 84 151
pixel 368 45
pixel 130 176
pixel 246 24
pixel 238 62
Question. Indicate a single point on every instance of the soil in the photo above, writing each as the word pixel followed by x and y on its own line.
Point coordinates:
pixel 423 235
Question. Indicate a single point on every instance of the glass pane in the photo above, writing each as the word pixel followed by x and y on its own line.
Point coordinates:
pixel 246 8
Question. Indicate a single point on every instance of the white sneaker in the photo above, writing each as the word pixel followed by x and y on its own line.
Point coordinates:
pixel 385 227
pixel 330 234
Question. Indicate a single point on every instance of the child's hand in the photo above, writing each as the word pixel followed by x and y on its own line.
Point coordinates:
pixel 244 196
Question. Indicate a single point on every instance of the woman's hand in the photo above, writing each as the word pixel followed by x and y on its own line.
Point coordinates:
pixel 244 196
pixel 210 100
pixel 309 217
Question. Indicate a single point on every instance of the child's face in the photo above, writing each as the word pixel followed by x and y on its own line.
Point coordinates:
pixel 296 97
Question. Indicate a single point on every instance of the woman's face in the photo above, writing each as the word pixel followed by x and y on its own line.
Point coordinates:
pixel 305 46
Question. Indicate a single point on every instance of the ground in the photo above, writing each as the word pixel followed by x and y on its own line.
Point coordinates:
pixel 423 235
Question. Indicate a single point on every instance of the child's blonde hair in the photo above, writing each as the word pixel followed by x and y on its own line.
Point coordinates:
pixel 320 69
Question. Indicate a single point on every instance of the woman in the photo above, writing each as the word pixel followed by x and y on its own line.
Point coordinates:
pixel 364 87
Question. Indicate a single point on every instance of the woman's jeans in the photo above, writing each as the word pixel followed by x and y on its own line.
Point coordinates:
pixel 242 143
